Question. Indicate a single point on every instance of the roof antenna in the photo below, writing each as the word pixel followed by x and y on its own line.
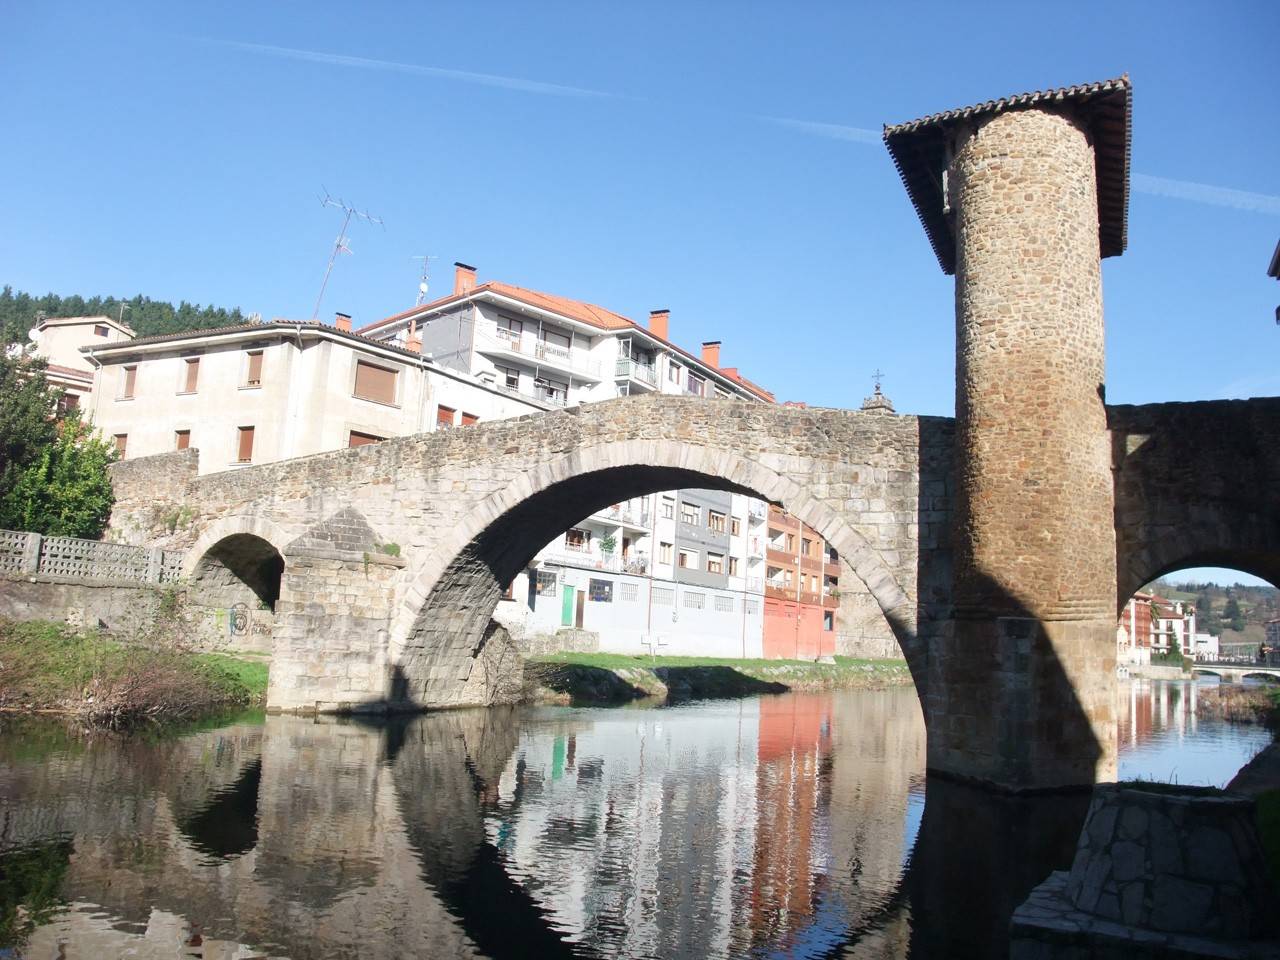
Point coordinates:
pixel 425 280
pixel 340 245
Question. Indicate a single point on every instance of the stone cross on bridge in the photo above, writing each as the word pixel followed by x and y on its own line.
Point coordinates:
pixel 998 546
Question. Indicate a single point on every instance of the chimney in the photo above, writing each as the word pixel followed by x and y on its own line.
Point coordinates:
pixel 413 343
pixel 342 321
pixel 464 278
pixel 711 354
pixel 659 323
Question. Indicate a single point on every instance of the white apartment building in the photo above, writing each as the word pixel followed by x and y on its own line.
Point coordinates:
pixel 260 392
pixel 680 572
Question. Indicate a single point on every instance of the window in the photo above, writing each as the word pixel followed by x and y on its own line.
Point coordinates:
pixel 715 521
pixel 244 445
pixel 689 559
pixel 444 416
pixel 469 419
pixel 694 601
pixel 673 372
pixel 628 591
pixel 828 620
pixel 181 439
pixel 663 597
pixel 696 384
pixel 552 391
pixel 546 585
pixel 688 513
pixel 130 381
pixel 509 332
pixel 510 378
pixel 253 368
pixel 100 330
pixel 806 547
pixel 191 375
pixel 509 593
pixel 750 607
pixel 791 543
pixel 600 591
pixel 68 403
pixel 664 553
pixel 579 541
pixel 122 441
pixel 735 526
pixel 375 383
pixel 733 566
pixel 357 439
pixel 724 604
pixel 668 508
pixel 715 563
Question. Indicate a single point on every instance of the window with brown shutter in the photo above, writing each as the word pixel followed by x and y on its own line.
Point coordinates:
pixel 244 450
pixel 253 374
pixel 181 439
pixel 469 418
pixel 375 383
pixel 192 375
pixel 358 439
pixel 130 378
pixel 444 416
pixel 100 330
pixel 122 441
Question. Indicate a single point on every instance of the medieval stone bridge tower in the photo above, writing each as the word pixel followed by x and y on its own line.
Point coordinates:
pixel 998 546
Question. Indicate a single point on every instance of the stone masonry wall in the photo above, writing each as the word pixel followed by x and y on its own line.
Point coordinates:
pixel 1033 653
pixel 855 478
pixel 1197 484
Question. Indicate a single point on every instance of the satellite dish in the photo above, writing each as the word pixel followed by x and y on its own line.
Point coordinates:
pixel 422 287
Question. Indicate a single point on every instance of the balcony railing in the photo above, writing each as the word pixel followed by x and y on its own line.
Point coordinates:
pixel 552 351
pixel 635 518
pixel 551 354
pixel 543 395
pixel 755 584
pixel 643 372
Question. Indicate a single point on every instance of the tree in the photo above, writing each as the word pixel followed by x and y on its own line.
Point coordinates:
pixel 65 490
pixel 1231 613
pixel 26 409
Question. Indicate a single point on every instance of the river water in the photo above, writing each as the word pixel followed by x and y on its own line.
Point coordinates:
pixel 798 825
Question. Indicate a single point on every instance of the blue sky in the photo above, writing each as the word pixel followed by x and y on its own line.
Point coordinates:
pixel 722 160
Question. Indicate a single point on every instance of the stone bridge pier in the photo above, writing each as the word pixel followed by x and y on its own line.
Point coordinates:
pixel 997 546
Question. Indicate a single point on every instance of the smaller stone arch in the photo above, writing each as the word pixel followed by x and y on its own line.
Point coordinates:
pixel 234 576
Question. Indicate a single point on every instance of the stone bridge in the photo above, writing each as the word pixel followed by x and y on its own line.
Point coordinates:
pixel 998 547
pixel 1238 672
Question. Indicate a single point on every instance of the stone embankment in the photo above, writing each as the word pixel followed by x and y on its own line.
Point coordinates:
pixel 585 678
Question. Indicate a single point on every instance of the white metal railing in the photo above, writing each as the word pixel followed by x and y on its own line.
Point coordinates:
pixel 541 350
pixel 643 372
pixel 755 584
pixel 551 351
pixel 549 396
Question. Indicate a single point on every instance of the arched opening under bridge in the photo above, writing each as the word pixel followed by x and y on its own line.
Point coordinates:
pixel 446 649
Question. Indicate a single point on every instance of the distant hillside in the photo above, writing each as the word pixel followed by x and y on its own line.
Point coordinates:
pixel 1234 613
pixel 18 312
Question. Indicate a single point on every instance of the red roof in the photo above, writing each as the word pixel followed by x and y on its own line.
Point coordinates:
pixel 588 313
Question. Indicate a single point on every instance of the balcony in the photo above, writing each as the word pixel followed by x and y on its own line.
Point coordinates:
pixel 503 342
pixel 624 516
pixel 830 601
pixel 634 370
pixel 757 510
pixel 755 585
pixel 780 557
pixel 779 591
pixel 830 569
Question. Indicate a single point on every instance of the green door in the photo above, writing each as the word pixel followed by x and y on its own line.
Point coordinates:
pixel 566 606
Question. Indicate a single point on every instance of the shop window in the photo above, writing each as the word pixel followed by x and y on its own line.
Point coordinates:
pixel 600 591
pixel 546 584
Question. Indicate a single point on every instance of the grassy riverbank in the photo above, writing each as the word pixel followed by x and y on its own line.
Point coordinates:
pixel 48 667
pixel 610 677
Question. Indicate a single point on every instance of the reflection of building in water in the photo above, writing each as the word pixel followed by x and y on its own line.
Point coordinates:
pixel 792 848
pixel 1150 708
pixel 717 829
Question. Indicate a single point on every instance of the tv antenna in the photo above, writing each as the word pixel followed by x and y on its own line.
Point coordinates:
pixel 340 245
pixel 425 280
